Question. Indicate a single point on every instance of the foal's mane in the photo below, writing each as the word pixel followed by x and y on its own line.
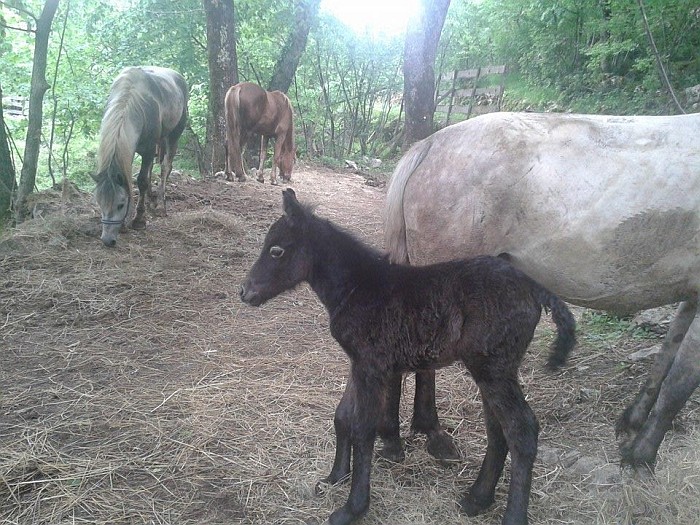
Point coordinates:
pixel 344 241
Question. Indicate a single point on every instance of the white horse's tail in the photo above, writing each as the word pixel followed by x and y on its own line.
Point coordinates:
pixel 394 221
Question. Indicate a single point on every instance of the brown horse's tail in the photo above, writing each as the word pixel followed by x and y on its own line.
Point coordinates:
pixel 288 150
pixel 394 221
pixel 232 104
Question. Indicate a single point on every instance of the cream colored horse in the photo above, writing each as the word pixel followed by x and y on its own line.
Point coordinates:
pixel 602 210
pixel 146 113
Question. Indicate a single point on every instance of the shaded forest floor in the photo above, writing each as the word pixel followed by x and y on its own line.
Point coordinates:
pixel 136 388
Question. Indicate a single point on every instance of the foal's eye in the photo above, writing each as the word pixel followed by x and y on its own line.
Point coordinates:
pixel 276 252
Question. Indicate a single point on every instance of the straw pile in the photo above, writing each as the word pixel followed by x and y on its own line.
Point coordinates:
pixel 136 388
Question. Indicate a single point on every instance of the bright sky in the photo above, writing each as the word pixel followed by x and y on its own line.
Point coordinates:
pixel 388 17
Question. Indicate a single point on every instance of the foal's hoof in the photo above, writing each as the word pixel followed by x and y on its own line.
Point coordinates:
pixel 441 446
pixel 323 485
pixel 343 516
pixel 634 459
pixel 392 451
pixel 472 506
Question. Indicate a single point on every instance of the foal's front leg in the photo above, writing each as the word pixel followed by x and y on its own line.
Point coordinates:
pixel 342 422
pixel 364 416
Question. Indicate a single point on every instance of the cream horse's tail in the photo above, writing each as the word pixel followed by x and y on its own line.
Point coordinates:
pixel 394 221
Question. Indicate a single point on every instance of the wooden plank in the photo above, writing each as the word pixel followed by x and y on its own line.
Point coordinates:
pixel 493 70
pixel 467 73
pixel 495 91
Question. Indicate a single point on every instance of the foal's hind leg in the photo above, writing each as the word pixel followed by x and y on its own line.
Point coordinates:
pixel 504 401
pixel 635 416
pixel 680 381
pixel 481 494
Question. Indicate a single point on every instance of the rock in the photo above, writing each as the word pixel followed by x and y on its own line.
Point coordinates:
pixel 655 320
pixel 644 353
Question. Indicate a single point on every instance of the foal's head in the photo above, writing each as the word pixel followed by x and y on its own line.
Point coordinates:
pixel 285 260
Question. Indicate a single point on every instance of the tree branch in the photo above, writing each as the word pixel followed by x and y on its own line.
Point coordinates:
pixel 659 63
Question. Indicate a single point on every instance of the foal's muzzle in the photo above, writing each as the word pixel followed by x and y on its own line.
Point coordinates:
pixel 250 297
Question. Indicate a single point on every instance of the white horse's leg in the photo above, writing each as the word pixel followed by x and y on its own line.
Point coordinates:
pixel 166 166
pixel 681 378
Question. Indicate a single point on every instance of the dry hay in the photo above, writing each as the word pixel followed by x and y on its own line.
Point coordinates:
pixel 135 387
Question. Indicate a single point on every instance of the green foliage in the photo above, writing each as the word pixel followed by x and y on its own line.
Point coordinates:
pixel 602 327
pixel 580 55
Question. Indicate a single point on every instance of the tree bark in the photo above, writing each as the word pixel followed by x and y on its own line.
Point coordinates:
pixel 8 183
pixel 38 88
pixel 223 73
pixel 420 50
pixel 305 16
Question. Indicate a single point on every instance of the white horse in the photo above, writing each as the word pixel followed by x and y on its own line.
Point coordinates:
pixel 146 113
pixel 602 210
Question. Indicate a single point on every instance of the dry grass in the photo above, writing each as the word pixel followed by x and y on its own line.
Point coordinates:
pixel 135 388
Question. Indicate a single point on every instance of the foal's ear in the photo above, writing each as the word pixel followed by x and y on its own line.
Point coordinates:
pixel 290 204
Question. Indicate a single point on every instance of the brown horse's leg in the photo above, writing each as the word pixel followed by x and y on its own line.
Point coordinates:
pixel 263 156
pixel 425 418
pixel 234 159
pixel 144 183
pixel 279 142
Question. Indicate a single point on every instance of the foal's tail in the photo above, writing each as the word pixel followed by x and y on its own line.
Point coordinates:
pixel 566 327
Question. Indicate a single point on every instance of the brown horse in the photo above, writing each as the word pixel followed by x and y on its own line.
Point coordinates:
pixel 146 113
pixel 250 109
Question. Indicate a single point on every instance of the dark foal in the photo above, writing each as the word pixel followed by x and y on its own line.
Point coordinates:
pixel 392 318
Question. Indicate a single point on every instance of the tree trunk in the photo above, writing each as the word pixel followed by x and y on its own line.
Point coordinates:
pixel 39 85
pixel 8 183
pixel 305 15
pixel 223 73
pixel 419 54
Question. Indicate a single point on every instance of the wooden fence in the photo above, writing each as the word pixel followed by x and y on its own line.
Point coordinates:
pixel 460 92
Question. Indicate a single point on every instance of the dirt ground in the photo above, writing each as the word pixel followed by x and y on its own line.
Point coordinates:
pixel 135 387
